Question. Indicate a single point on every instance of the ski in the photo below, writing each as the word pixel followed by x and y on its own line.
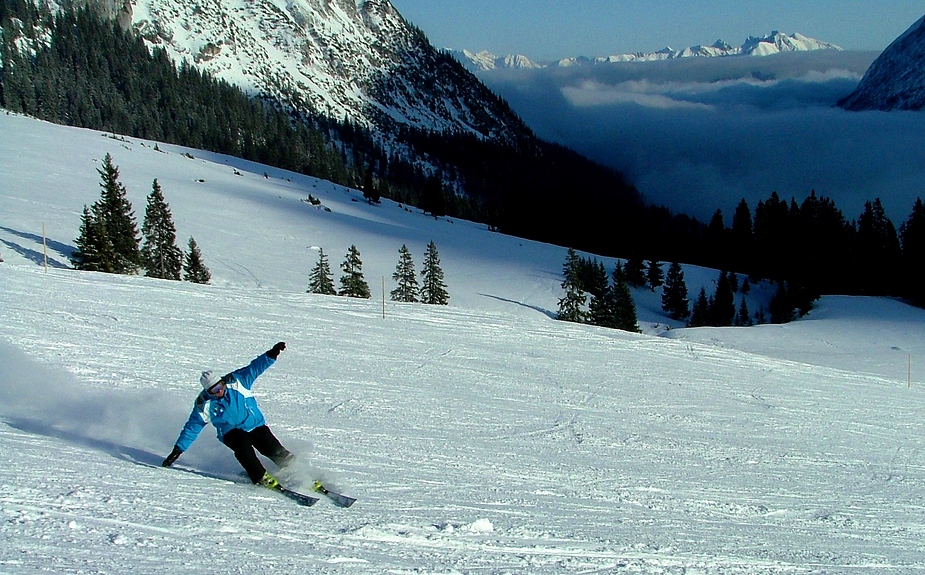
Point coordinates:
pixel 300 498
pixel 337 499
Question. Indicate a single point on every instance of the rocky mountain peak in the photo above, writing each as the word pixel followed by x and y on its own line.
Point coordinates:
pixel 355 60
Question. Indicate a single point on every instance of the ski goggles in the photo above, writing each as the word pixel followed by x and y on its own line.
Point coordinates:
pixel 217 388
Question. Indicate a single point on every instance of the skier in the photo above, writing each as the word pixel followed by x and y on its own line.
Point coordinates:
pixel 228 403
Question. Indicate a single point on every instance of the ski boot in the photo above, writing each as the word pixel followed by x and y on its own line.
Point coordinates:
pixel 269 482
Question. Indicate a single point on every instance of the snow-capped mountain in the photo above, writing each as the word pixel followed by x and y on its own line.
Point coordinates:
pixel 773 43
pixel 485 60
pixel 896 79
pixel 347 59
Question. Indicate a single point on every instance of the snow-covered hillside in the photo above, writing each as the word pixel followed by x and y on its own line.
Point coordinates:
pixel 343 59
pixel 481 437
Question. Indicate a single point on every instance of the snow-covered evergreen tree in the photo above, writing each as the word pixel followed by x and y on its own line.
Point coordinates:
pixel 624 309
pixel 321 280
pixel 571 306
pixel 352 283
pixel 615 308
pixel 433 290
pixel 406 277
pixel 602 308
pixel 159 252
pixel 194 270
pixel 94 250
pixel 118 219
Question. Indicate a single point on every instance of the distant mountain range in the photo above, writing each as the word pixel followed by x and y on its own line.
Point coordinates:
pixel 773 43
pixel 896 79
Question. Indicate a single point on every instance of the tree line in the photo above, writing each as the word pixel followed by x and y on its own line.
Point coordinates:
pixel 108 239
pixel 811 248
pixel 590 298
pixel 432 289
pixel 611 303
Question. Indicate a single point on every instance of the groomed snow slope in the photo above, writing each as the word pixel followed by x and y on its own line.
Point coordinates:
pixel 482 437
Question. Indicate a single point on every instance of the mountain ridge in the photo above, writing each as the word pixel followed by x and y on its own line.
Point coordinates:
pixel 896 79
pixel 354 60
pixel 773 43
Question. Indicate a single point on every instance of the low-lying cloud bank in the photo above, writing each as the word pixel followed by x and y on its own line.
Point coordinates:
pixel 700 134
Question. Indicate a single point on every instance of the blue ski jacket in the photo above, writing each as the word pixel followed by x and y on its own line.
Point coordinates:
pixel 237 409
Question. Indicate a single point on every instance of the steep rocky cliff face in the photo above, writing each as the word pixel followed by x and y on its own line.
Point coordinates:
pixel 347 59
pixel 896 79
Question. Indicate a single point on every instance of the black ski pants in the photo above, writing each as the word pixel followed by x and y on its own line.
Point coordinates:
pixel 243 443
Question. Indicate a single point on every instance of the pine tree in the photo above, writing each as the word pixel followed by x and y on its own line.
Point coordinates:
pixel 433 290
pixel 674 294
pixel 594 278
pixel 94 250
pixel 741 236
pixel 320 280
pixel 602 307
pixel 194 270
pixel 571 307
pixel 781 308
pixel 159 252
pixel 878 250
pixel 624 309
pixel 370 192
pixel 352 283
pixel 433 199
pixel 635 270
pixel 742 316
pixel 654 275
pixel 407 290
pixel 118 219
pixel 912 240
pixel 746 286
pixel 722 305
pixel 700 314
pixel 716 241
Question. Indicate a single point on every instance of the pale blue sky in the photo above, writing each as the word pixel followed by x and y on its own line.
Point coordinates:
pixel 553 29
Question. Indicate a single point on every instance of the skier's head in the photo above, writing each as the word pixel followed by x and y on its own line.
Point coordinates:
pixel 209 378
pixel 210 381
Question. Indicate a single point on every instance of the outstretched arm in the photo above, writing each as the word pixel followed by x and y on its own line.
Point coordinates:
pixel 247 374
pixel 191 429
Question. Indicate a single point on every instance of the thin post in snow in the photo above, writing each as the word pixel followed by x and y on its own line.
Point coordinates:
pixel 44 248
pixel 383 297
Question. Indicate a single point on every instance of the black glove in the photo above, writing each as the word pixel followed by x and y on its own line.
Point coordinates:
pixel 274 353
pixel 172 457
